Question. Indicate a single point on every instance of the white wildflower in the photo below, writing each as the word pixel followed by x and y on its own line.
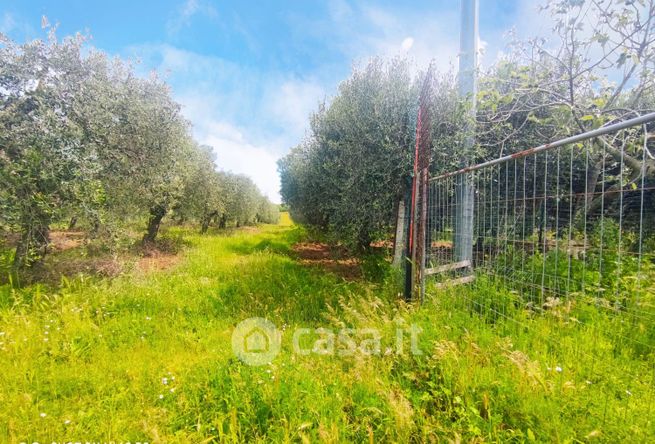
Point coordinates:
pixel 43 415
pixel 558 369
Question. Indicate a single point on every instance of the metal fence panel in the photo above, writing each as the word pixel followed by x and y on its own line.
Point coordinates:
pixel 568 224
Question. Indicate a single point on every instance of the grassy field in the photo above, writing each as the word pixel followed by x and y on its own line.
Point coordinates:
pixel 147 356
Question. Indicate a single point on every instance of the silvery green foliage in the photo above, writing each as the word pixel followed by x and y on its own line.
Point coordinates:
pixel 44 163
pixel 84 136
pixel 347 174
pixel 347 177
pixel 597 68
pixel 267 212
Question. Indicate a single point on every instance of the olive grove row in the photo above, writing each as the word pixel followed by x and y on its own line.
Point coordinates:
pixel 84 140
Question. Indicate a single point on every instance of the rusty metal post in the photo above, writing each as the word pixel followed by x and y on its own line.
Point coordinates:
pixel 420 183
pixel 422 230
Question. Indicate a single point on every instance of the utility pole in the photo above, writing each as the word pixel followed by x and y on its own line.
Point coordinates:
pixel 468 90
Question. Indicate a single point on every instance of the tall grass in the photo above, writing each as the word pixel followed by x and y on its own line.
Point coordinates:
pixel 147 357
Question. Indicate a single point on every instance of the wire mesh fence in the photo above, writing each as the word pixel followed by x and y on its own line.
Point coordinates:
pixel 561 240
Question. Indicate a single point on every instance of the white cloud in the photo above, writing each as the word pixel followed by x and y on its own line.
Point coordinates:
pixel 407 44
pixel 482 46
pixel 339 9
pixel 234 153
pixel 363 30
pixel 531 21
pixel 185 13
pixel 12 24
pixel 7 23
pixel 236 150
pixel 369 30
pixel 254 146
pixel 189 8
pixel 250 118
pixel 292 102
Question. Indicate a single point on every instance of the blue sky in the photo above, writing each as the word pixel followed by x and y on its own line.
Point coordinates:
pixel 249 73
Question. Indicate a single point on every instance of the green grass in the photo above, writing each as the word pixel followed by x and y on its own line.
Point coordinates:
pixel 92 355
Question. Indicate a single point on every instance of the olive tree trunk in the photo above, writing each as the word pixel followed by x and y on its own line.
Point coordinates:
pixel 206 220
pixel 157 213
pixel 33 245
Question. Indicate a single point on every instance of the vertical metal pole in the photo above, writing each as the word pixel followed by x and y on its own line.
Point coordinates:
pixel 407 257
pixel 468 89
pixel 423 232
pixel 414 208
pixel 399 241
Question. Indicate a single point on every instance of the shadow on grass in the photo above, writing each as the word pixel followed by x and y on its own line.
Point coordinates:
pixel 276 242
pixel 275 280
pixel 276 287
pixel 90 257
pixel 306 250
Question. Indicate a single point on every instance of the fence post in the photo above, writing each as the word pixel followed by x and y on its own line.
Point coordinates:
pixel 463 241
pixel 422 228
pixel 407 255
pixel 468 62
pixel 399 240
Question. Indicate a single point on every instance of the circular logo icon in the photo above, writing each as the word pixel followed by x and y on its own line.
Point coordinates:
pixel 256 341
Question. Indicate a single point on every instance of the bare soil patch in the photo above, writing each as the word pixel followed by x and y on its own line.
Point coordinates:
pixel 332 259
pixel 155 258
pixel 249 229
pixel 382 245
pixel 66 240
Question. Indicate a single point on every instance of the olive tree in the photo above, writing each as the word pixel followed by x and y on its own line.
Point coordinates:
pixel 203 197
pixel 349 174
pixel 44 162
